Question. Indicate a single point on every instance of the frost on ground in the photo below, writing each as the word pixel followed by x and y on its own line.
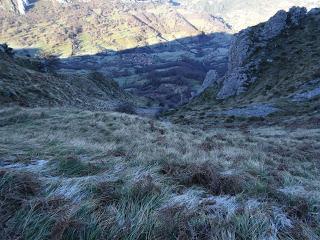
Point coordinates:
pixel 255 110
pixel 117 176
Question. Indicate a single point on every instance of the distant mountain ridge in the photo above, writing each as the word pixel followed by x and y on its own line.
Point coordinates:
pixel 241 14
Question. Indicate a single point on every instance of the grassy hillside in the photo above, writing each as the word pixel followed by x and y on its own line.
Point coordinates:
pixel 98 175
pixel 152 49
pixel 242 168
pixel 95 26
pixel 24 81
pixel 288 80
pixel 241 14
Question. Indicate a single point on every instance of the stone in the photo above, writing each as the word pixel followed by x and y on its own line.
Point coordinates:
pixel 240 66
pixel 210 79
pixel 232 84
pixel 297 14
pixel 314 11
pixel 274 26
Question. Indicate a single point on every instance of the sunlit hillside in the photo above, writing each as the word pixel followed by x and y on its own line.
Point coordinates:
pixel 159 120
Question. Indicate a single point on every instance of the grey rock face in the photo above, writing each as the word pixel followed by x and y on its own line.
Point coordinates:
pixel 314 11
pixel 232 85
pixel 274 26
pixel 297 14
pixel 16 6
pixel 240 66
pixel 211 78
pixel 22 6
pixel 239 49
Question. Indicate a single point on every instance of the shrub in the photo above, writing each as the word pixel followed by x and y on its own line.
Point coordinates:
pixel 6 49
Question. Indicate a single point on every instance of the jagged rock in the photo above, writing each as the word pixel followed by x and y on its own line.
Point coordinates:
pixel 16 6
pixel 232 84
pixel 239 49
pixel 296 14
pixel 22 6
pixel 314 11
pixel 210 79
pixel 274 26
pixel 240 66
pixel 4 48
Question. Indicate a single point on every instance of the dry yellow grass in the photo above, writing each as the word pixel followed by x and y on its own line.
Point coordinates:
pixel 94 175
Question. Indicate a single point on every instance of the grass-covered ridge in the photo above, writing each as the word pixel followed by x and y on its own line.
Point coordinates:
pixel 30 82
pixel 70 174
pixel 287 79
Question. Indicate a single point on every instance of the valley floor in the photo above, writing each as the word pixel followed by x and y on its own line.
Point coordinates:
pixel 72 174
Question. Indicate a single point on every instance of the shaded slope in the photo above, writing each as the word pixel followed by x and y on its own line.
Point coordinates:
pixel 22 82
pixel 167 73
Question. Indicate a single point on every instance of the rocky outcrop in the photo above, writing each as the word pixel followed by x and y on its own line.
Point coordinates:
pixel 211 78
pixel 241 67
pixel 16 6
pixel 22 6
pixel 4 48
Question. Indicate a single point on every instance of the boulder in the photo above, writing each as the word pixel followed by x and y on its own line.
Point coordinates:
pixel 210 79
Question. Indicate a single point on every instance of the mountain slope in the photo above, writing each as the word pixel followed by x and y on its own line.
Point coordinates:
pixel 89 27
pixel 23 81
pixel 241 14
pixel 75 173
pixel 273 74
pixel 161 50
pixel 152 49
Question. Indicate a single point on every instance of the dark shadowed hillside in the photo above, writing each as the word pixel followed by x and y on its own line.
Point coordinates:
pixel 24 81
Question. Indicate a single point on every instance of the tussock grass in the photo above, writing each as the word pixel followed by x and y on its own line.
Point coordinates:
pixel 117 176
